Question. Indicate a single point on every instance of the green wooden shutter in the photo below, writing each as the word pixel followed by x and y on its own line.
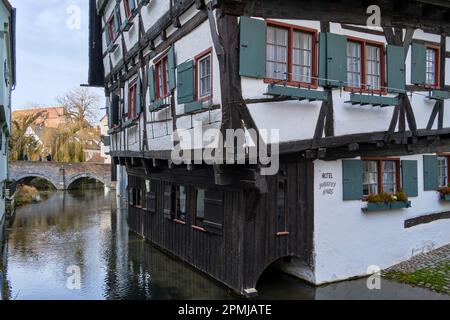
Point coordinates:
pixel 430 173
pixel 252 48
pixel 322 59
pixel 336 59
pixel 352 173
pixel 186 82
pixel 151 84
pixel 395 68
pixel 214 211
pixel 116 19
pixel 418 64
pixel 110 114
pixel 115 109
pixel 138 95
pixel 107 37
pixel 168 212
pixel 409 178
pixel 172 67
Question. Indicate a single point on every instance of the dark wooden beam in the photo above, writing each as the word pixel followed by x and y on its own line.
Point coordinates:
pixel 408 13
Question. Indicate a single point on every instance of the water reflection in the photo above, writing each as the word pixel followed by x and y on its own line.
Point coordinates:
pixel 86 229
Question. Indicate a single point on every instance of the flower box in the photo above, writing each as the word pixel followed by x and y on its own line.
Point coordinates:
pixel 445 197
pixel 383 206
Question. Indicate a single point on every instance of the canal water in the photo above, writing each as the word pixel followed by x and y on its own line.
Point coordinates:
pixel 77 246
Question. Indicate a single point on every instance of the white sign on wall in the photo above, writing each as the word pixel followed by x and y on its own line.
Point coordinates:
pixel 327 184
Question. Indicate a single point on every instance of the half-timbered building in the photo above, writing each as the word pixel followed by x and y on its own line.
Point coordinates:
pixel 358 96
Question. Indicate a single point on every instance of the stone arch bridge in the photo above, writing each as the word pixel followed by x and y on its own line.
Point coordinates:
pixel 61 175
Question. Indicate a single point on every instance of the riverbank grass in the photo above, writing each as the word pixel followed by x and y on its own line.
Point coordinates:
pixel 436 278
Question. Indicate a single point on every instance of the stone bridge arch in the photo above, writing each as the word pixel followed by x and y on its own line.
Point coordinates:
pixel 61 175
pixel 75 178
pixel 27 175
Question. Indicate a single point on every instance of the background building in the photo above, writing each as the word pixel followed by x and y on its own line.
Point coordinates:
pixel 7 83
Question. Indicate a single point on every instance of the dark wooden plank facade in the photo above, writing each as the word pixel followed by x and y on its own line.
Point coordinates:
pixel 250 241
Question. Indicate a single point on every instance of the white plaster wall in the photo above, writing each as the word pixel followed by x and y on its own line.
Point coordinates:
pixel 348 241
pixel 153 11
pixel 131 36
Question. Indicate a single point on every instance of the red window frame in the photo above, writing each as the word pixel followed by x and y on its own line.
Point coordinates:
pixel 112 33
pixel 437 52
pixel 363 88
pixel 163 61
pixel 197 60
pixel 439 155
pixel 380 172
pixel 132 100
pixel 126 4
pixel 291 29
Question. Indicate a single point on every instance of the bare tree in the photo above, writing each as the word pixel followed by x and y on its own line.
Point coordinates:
pixel 81 105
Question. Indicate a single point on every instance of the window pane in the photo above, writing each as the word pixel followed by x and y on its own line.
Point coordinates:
pixel 277 53
pixel 370 177
pixel 160 80
pixel 373 63
pixel 205 77
pixel 389 169
pixel 443 171
pixel 431 67
pixel 302 57
pixel 354 64
pixel 181 203
pixel 200 204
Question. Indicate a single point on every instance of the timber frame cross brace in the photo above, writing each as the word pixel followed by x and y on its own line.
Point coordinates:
pixel 403 112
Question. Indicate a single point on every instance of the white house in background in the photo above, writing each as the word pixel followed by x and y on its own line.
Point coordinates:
pixel 7 83
pixel 364 135
pixel 105 139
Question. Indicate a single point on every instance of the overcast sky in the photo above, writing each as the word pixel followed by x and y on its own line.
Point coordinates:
pixel 52 52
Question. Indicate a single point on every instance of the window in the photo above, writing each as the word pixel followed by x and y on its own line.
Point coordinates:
pixel 432 61
pixel 373 67
pixel 381 176
pixel 290 54
pixel 135 197
pixel 130 5
pixel 277 53
pixel 443 173
pixel 132 101
pixel 302 58
pixel 365 65
pixel 113 25
pixel 354 62
pixel 162 78
pixel 199 208
pixel 180 204
pixel 203 75
pixel 281 204
pixel 204 80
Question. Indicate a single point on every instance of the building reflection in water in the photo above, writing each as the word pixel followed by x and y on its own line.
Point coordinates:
pixel 89 230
